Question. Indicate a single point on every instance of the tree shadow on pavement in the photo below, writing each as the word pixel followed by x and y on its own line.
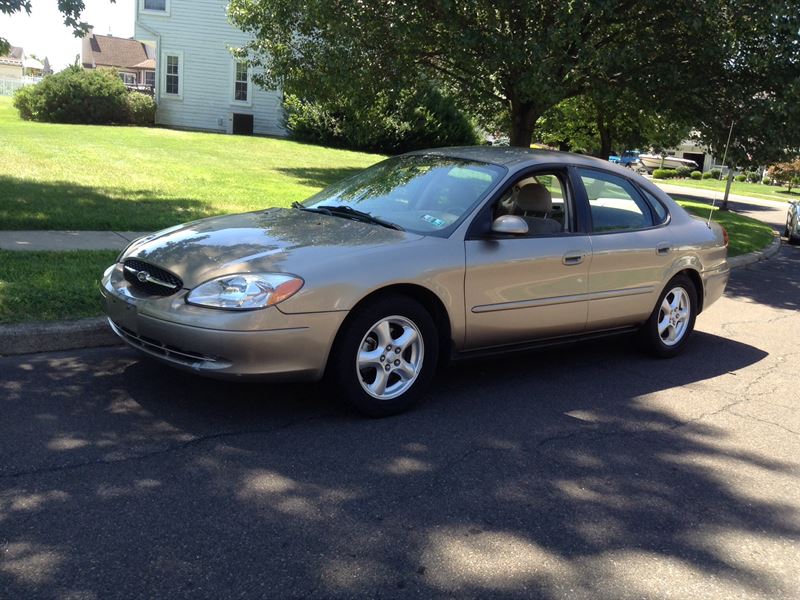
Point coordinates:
pixel 580 471
pixel 772 282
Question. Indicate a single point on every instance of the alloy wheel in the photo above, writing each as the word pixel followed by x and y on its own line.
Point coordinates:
pixel 390 357
pixel 673 316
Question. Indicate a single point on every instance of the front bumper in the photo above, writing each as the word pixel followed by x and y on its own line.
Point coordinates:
pixel 261 344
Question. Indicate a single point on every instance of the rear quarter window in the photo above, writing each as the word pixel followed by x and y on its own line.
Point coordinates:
pixel 659 210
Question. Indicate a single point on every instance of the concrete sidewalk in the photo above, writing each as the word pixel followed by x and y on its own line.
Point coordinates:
pixel 67 240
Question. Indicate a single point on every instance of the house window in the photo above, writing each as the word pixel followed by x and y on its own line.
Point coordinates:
pixel 128 78
pixel 240 84
pixel 150 78
pixel 155 5
pixel 173 78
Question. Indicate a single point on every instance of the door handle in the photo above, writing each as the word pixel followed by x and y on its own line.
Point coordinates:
pixel 573 258
pixel 663 249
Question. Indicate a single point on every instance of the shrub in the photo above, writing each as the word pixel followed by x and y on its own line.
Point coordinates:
pixel 665 174
pixel 786 173
pixel 708 175
pixel 75 95
pixel 684 171
pixel 27 102
pixel 696 175
pixel 715 173
pixel 408 120
pixel 753 176
pixel 766 180
pixel 741 178
pixel 141 109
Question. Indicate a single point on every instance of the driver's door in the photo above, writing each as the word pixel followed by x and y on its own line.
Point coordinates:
pixel 527 287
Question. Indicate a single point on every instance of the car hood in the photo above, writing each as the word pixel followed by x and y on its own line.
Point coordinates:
pixel 274 240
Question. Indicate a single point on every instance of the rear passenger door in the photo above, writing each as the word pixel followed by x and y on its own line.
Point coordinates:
pixel 630 250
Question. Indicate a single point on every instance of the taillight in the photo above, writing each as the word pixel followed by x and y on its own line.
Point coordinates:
pixel 724 236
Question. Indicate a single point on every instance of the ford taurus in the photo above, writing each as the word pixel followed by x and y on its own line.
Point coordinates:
pixel 419 259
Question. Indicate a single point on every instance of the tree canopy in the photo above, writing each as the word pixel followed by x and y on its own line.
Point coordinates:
pixel 509 62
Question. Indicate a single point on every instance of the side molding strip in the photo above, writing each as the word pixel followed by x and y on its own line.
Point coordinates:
pixel 562 299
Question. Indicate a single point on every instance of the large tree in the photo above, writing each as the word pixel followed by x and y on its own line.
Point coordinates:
pixel 757 87
pixel 71 10
pixel 750 111
pixel 506 60
pixel 597 123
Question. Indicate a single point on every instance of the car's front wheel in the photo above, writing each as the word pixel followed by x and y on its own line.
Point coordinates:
pixel 667 331
pixel 385 356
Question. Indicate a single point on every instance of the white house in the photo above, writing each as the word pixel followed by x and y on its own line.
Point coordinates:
pixel 199 85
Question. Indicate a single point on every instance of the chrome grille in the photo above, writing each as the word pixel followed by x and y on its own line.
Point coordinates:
pixel 149 279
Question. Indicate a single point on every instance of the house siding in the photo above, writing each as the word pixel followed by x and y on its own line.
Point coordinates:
pixel 11 72
pixel 199 31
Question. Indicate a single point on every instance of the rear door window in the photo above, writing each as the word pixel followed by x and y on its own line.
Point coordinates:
pixel 614 203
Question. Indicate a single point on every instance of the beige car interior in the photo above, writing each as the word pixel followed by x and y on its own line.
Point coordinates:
pixel 533 201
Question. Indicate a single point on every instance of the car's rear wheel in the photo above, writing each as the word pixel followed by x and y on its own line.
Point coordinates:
pixel 667 331
pixel 385 356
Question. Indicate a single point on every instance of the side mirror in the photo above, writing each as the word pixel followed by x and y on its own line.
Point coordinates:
pixel 510 225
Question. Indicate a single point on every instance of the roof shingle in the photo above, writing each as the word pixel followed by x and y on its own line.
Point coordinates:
pixel 110 51
pixel 14 57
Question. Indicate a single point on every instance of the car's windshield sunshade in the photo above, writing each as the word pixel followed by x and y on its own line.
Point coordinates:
pixel 423 194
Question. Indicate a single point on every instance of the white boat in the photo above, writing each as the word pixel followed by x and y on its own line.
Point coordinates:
pixel 654 161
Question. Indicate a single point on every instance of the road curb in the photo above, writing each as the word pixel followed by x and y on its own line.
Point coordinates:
pixel 27 338
pixel 753 257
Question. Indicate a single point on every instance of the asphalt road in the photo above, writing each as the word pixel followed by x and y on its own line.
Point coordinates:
pixel 582 472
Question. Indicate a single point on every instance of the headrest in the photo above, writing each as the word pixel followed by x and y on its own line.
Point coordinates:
pixel 534 197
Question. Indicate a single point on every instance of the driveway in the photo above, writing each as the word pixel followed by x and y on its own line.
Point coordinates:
pixel 581 472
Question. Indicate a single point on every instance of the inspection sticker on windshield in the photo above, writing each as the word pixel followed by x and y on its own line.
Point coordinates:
pixel 433 220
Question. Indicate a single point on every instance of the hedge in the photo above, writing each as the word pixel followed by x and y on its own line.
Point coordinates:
pixel 408 120
pixel 88 96
pixel 665 174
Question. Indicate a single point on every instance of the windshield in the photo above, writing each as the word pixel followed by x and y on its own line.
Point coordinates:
pixel 423 194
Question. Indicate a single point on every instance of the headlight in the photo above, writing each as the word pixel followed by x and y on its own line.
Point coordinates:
pixel 245 291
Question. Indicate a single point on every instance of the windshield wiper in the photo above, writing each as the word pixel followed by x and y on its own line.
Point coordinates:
pixel 350 213
pixel 300 206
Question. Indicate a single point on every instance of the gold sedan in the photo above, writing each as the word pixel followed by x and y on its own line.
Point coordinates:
pixel 422 258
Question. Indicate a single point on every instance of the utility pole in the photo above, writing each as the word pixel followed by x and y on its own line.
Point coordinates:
pixel 724 205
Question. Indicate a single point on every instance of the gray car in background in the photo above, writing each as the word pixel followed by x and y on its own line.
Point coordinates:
pixel 419 259
pixel 792 230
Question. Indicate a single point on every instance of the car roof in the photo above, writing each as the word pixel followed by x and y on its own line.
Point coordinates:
pixel 510 156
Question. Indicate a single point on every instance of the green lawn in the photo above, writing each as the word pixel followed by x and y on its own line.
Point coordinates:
pixel 745 234
pixel 46 286
pixel 125 178
pixel 143 179
pixel 43 286
pixel 754 190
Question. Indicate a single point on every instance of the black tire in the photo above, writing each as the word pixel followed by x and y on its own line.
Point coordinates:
pixel 649 338
pixel 342 367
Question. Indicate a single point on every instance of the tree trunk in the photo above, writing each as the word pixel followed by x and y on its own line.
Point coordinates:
pixel 605 138
pixel 523 118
